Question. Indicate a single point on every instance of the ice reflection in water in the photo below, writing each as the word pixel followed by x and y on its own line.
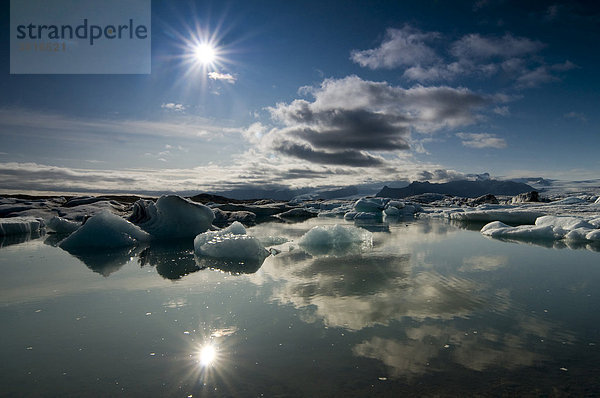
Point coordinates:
pixel 427 300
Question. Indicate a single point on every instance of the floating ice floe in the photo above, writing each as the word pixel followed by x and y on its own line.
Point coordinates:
pixel 62 225
pixel 171 217
pixel 370 205
pixel 231 242
pixel 548 228
pixel 397 208
pixel 20 225
pixel 335 238
pixel 105 230
pixel 513 216
pixel 377 208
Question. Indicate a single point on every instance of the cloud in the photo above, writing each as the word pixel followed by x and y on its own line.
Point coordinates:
pixel 501 110
pixel 563 67
pixel 536 77
pixel 481 47
pixel 352 121
pixel 222 76
pixel 406 46
pixel 511 58
pixel 552 12
pixel 426 343
pixel 346 157
pixel 173 107
pixel 35 122
pixel 483 263
pixel 482 140
pixel 576 116
pixel 440 175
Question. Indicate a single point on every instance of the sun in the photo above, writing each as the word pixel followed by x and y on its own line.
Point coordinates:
pixel 205 54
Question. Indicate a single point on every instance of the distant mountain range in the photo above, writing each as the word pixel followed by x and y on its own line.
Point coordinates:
pixel 462 188
pixel 287 194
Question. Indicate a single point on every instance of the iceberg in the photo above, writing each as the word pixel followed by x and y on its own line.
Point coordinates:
pixel 20 225
pixel 363 215
pixel 396 208
pixel 370 205
pixel 231 242
pixel 336 238
pixel 171 217
pixel 105 230
pixel 548 228
pixel 62 225
pixel 498 229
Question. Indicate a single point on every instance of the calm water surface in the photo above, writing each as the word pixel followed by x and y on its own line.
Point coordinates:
pixel 432 309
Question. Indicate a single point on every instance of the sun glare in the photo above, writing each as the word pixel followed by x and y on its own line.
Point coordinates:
pixel 205 54
pixel 207 355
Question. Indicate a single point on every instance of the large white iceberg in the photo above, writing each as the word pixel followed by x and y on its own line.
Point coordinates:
pixel 20 225
pixel 335 238
pixel 231 242
pixel 105 230
pixel 172 217
pixel 548 228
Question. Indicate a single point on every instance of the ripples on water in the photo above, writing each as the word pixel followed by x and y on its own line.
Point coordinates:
pixel 431 309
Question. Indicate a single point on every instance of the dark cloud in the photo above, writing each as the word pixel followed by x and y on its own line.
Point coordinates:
pixel 346 158
pixel 440 175
pixel 353 129
pixel 351 120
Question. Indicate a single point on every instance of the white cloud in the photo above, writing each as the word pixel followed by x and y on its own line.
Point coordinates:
pixel 222 76
pixel 481 47
pixel 536 77
pixel 481 140
pixel 173 107
pixel 512 58
pixel 406 46
pixel 34 122
pixel 501 110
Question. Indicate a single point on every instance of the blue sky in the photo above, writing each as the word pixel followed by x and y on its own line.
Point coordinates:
pixel 318 94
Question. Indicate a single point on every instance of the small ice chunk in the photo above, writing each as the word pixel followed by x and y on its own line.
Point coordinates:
pixel 350 215
pixel 231 242
pixel 62 225
pixel 20 225
pixel 105 230
pixel 391 211
pixel 272 240
pixel 336 237
pixel 571 200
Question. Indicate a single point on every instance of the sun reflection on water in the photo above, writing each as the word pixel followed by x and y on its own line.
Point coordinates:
pixel 207 355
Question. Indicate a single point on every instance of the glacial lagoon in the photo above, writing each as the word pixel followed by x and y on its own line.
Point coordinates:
pixel 432 308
